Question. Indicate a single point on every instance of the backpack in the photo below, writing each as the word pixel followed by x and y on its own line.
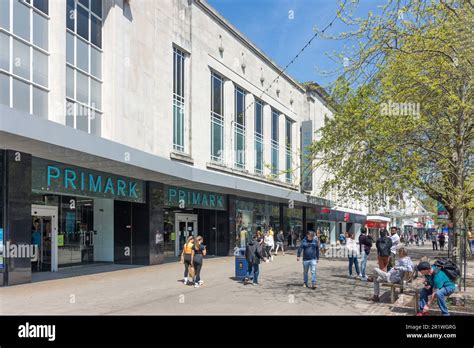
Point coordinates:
pixel 383 246
pixel 323 238
pixel 449 268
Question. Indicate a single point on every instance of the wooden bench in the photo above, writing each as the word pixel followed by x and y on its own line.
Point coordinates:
pixel 460 295
pixel 406 280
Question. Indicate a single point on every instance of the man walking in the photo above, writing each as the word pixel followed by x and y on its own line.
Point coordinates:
pixel 365 244
pixel 253 255
pixel 441 239
pixel 310 249
pixel 434 240
pixel 323 239
pixel 280 242
pixel 395 244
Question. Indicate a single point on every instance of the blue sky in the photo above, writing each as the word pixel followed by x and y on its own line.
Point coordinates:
pixel 267 24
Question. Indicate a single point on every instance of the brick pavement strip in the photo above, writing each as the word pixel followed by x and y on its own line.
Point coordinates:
pixel 158 290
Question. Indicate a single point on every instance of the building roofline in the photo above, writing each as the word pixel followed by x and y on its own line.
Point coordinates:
pixel 204 5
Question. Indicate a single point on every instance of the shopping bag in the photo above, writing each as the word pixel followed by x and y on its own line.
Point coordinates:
pixel 191 271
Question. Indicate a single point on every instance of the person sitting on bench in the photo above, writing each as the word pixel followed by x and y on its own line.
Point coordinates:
pixel 438 286
pixel 395 275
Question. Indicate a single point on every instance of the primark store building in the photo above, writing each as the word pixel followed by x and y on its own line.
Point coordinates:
pixel 124 129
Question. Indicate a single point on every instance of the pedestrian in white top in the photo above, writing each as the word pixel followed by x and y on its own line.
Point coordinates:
pixel 269 245
pixel 353 253
pixel 395 245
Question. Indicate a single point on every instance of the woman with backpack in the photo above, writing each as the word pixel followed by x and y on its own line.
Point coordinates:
pixel 198 252
pixel 384 245
pixel 186 257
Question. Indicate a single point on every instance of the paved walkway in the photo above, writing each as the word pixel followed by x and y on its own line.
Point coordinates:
pixel 159 290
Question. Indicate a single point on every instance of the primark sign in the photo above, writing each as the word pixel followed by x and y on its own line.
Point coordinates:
pixel 53 177
pixel 188 198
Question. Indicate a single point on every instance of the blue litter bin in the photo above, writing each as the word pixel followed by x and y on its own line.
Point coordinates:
pixel 241 264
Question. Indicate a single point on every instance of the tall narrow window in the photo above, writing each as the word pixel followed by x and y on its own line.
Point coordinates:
pixel 217 118
pixel 178 99
pixel 84 65
pixel 24 55
pixel 288 148
pixel 258 137
pixel 239 128
pixel 275 141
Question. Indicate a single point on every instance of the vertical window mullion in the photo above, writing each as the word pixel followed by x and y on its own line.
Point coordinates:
pixel 30 63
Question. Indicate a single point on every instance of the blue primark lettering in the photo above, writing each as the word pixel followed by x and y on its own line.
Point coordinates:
pixel 82 181
pixel 132 187
pixel 109 186
pixel 196 198
pixel 219 201
pixel 95 186
pixel 212 200
pixel 121 187
pixel 69 180
pixel 204 200
pixel 181 195
pixel 171 194
pixel 52 169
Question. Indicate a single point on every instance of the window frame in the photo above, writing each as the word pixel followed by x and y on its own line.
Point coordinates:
pixel 275 144
pixel 288 148
pixel 93 110
pixel 217 119
pixel 179 99
pixel 32 48
pixel 239 128
pixel 259 139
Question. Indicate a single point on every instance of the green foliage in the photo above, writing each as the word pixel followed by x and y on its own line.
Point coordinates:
pixel 404 106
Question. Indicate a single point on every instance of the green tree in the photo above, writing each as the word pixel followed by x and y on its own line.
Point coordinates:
pixel 404 105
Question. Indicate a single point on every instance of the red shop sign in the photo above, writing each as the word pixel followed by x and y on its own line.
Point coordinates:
pixel 325 210
pixel 346 217
pixel 376 224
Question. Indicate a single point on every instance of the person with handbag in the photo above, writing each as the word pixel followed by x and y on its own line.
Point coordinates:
pixel 186 257
pixel 198 252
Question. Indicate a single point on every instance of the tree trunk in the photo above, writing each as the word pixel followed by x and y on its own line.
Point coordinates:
pixel 459 237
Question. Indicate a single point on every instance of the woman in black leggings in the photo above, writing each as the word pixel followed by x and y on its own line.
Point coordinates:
pixel 199 251
pixel 186 257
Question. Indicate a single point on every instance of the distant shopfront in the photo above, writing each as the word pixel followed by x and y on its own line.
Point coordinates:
pixel 333 222
pixel 375 224
pixel 194 212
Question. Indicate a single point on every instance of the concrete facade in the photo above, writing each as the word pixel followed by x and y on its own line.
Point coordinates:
pixel 136 121
pixel 137 84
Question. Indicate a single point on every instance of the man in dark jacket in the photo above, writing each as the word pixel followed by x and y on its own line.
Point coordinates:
pixel 365 244
pixel 253 254
pixel 383 244
pixel 309 247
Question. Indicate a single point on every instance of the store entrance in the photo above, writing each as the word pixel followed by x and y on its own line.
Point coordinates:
pixel 186 225
pixel 44 237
